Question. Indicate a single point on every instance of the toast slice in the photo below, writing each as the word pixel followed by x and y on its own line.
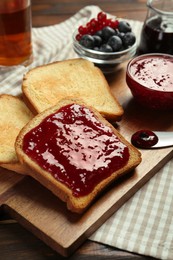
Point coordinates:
pixel 14 114
pixel 44 86
pixel 69 149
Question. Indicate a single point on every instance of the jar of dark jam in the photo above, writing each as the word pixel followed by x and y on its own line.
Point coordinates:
pixel 157 31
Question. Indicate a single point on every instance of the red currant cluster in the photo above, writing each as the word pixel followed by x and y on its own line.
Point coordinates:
pixel 96 24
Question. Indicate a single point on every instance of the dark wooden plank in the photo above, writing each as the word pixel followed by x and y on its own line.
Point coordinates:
pixel 53 11
pixel 18 243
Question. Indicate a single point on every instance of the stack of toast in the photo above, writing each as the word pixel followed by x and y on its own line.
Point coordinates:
pixel 75 96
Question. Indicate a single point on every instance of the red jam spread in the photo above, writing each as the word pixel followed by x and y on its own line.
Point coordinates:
pixel 144 139
pixel 155 72
pixel 76 148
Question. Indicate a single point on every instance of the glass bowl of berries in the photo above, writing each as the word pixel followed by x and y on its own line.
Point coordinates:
pixel 105 42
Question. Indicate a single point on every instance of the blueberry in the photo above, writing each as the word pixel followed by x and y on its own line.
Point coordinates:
pixel 106 48
pixel 99 33
pixel 120 34
pixel 128 39
pixel 97 40
pixel 115 42
pixel 87 41
pixel 124 27
pixel 107 32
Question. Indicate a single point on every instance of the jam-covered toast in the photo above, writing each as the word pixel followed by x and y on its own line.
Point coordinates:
pixel 74 152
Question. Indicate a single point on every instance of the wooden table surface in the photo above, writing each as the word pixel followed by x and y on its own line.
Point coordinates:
pixel 16 242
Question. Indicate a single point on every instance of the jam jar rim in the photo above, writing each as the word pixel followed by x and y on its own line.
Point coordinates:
pixel 158 11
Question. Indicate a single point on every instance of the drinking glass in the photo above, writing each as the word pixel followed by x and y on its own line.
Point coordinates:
pixel 15 32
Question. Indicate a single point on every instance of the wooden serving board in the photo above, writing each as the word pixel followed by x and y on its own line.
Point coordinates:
pixel 39 211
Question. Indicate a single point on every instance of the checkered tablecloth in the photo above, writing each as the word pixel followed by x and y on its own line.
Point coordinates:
pixel 144 224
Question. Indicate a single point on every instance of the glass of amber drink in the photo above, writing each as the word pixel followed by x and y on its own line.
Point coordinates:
pixel 15 32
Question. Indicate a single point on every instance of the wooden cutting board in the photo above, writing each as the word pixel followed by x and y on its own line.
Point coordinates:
pixel 39 211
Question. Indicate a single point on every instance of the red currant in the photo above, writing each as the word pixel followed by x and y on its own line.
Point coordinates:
pixel 102 24
pixel 78 37
pixel 115 24
pixel 93 22
pixel 93 31
pixel 92 26
pixel 97 24
pixel 101 16
pixel 82 30
pixel 108 22
pixel 88 26
pixel 99 27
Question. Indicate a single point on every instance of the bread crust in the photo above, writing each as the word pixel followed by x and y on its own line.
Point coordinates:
pixel 14 114
pixel 15 167
pixel 46 85
pixel 75 204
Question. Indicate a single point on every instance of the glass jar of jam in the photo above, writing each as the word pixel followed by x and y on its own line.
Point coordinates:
pixel 157 31
pixel 150 79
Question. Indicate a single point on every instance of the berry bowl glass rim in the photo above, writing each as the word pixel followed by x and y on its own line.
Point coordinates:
pixel 96 54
